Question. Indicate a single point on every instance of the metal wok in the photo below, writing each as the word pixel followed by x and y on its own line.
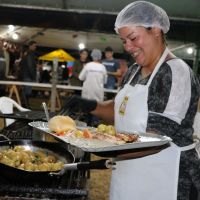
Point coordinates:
pixel 56 149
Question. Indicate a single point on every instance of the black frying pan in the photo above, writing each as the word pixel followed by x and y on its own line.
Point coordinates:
pixel 58 150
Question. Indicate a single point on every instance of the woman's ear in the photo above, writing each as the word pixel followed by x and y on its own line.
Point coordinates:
pixel 156 31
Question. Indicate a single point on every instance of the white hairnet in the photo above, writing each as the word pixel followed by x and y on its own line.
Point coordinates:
pixel 96 54
pixel 142 13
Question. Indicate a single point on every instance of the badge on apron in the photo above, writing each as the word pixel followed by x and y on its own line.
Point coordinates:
pixel 122 107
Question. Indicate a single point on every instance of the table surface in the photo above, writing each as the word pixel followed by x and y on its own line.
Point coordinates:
pixel 27 115
pixel 48 85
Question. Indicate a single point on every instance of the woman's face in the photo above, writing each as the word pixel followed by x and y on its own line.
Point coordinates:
pixel 83 55
pixel 140 42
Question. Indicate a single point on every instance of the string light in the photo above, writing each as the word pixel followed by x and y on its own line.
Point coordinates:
pixel 11 28
pixel 15 36
pixel 190 50
pixel 81 46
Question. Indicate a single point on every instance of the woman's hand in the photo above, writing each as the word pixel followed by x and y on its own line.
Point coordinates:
pixel 76 103
pixel 105 111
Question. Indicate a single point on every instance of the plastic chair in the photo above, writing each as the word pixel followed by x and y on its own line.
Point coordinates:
pixel 7 105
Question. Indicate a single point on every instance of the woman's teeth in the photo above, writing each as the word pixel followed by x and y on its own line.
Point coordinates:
pixel 135 54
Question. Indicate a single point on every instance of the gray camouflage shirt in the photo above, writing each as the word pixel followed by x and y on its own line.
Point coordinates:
pixel 173 76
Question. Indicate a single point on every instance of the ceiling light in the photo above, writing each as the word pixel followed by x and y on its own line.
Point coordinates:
pixel 81 46
pixel 11 28
pixel 190 50
pixel 15 36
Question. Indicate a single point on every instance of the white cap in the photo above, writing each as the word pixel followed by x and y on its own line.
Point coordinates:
pixel 96 54
pixel 143 13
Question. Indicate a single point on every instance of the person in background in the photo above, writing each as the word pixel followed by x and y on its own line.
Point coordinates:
pixel 123 70
pixel 65 74
pixel 28 67
pixel 112 67
pixel 78 66
pixel 2 67
pixel 13 53
pixel 94 77
pixel 7 48
pixel 18 61
pixel 39 71
pixel 158 94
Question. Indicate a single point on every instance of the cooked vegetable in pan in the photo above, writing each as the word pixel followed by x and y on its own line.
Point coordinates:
pixel 24 159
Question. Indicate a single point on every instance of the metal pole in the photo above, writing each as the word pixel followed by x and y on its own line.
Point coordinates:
pixel 196 59
pixel 54 83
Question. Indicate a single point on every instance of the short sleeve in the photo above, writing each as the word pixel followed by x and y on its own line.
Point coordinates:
pixel 172 91
pixel 82 75
pixel 172 102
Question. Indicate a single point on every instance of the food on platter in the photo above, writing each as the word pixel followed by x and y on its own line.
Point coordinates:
pixel 109 129
pixel 87 142
pixel 85 133
pixel 65 126
pixel 118 138
pixel 28 160
pixel 128 137
pixel 61 124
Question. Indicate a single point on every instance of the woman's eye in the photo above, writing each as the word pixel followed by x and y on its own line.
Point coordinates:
pixel 132 39
pixel 124 41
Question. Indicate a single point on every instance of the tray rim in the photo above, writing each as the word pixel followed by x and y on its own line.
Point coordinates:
pixel 115 147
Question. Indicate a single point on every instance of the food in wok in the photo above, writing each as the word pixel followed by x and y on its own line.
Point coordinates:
pixel 21 158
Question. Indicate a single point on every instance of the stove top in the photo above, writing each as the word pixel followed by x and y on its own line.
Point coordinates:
pixel 70 187
pixel 41 193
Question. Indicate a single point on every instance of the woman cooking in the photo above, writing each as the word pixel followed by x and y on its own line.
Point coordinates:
pixel 159 94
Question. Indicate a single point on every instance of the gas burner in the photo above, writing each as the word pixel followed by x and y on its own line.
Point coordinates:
pixel 71 186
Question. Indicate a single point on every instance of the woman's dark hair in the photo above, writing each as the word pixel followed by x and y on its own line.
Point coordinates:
pixel 162 35
pixel 31 43
pixel 85 49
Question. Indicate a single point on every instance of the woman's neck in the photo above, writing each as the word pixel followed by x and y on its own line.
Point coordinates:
pixel 147 70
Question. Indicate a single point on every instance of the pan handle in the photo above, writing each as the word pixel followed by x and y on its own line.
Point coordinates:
pixel 98 164
pixel 6 138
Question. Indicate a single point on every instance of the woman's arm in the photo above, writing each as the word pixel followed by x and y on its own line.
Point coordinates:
pixel 105 111
pixel 82 75
pixel 75 72
pixel 116 74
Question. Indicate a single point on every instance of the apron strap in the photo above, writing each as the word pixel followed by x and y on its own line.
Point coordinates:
pixel 162 59
pixel 134 75
pixel 189 147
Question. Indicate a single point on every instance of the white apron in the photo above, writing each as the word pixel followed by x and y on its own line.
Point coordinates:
pixel 154 177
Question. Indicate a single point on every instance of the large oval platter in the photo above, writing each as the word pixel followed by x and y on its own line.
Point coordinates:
pixel 146 140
